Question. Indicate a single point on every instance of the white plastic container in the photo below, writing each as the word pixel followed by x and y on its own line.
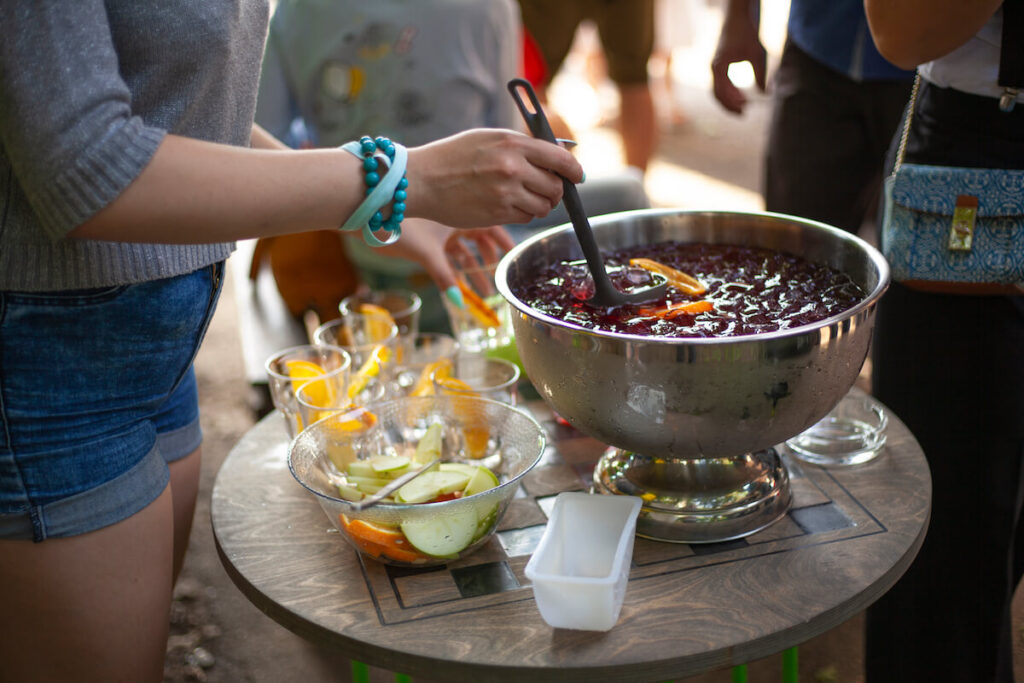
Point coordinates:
pixel 580 569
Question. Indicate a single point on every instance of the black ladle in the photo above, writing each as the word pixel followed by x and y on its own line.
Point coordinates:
pixel 605 293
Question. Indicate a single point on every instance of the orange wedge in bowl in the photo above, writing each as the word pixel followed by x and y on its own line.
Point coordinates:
pixel 377 540
pixel 684 282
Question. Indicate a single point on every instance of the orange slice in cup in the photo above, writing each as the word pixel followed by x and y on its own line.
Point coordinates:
pixel 474 421
pixel 378 321
pixel 477 307
pixel 438 369
pixel 371 367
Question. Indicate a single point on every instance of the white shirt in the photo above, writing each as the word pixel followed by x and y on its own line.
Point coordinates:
pixel 974 66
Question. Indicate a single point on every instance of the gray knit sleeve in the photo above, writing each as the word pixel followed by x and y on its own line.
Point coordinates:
pixel 66 125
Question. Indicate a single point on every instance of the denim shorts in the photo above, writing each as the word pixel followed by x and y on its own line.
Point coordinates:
pixel 97 395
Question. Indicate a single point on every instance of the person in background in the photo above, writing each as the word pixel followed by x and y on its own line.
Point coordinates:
pixel 951 366
pixel 416 72
pixel 129 166
pixel 626 29
pixel 835 104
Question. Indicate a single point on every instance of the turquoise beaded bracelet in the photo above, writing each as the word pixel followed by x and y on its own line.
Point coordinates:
pixel 380 190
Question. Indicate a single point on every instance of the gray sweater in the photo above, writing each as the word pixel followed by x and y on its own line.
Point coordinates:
pixel 88 90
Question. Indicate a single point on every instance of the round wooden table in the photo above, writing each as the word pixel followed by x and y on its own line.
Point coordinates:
pixel 851 533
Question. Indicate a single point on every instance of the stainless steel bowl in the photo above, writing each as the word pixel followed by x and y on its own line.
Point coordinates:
pixel 692 418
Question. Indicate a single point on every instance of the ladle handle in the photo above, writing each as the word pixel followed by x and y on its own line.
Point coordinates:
pixel 539 127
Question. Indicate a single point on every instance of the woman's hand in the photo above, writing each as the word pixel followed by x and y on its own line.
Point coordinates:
pixel 487 176
pixel 436 247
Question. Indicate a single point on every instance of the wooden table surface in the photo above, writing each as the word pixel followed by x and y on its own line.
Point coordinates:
pixel 850 534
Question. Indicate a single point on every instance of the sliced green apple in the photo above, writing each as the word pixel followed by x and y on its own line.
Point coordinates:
pixel 482 480
pixel 430 485
pixel 389 464
pixel 350 492
pixel 429 447
pixel 441 535
pixel 465 468
pixel 360 468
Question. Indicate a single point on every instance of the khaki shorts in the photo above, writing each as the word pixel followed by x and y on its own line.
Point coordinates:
pixel 626 28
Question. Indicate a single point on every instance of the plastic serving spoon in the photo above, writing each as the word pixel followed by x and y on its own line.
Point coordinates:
pixel 605 293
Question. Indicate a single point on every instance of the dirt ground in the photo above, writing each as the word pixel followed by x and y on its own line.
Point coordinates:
pixel 706 159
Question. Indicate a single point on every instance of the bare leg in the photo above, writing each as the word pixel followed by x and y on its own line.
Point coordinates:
pixel 637 124
pixel 185 487
pixel 92 607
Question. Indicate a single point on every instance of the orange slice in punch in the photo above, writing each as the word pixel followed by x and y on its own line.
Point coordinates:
pixel 477 307
pixel 681 308
pixel 682 281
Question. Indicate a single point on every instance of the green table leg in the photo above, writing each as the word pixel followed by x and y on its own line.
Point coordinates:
pixel 739 673
pixel 790 666
pixel 360 672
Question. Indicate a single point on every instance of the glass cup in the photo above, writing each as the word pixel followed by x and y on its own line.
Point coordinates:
pixel 404 306
pixel 425 350
pixel 484 325
pixel 324 368
pixel 853 433
pixel 493 378
pixel 371 341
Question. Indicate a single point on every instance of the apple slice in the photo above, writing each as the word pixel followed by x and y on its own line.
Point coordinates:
pixel 482 480
pixel 430 485
pixel 465 468
pixel 360 468
pixel 441 535
pixel 369 484
pixel 350 492
pixel 429 447
pixel 389 465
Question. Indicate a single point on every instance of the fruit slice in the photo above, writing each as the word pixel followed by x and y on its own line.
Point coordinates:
pixel 389 465
pixel 482 480
pixel 370 368
pixel 378 321
pixel 429 446
pixel 377 540
pixel 477 307
pixel 430 485
pixel 680 308
pixel 474 422
pixel 465 468
pixel 424 385
pixel 350 492
pixel 441 535
pixel 301 370
pixel 677 278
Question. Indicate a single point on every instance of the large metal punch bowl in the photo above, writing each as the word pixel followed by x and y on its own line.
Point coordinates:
pixel 693 422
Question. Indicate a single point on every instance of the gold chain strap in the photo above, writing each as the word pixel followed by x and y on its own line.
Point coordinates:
pixel 906 125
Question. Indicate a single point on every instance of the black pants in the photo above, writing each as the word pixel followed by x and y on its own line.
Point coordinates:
pixel 952 368
pixel 827 141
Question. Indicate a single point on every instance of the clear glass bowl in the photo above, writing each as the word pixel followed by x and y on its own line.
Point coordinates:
pixel 442 531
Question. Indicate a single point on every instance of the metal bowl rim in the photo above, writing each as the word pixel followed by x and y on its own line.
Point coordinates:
pixel 882 266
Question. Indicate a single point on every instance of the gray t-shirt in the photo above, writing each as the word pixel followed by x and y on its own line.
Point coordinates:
pixel 88 90
pixel 413 71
